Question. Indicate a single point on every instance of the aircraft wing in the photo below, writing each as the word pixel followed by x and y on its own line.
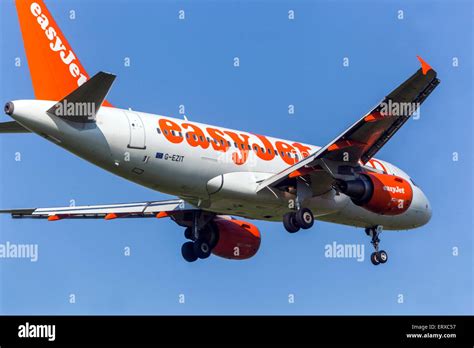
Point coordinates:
pixel 12 127
pixel 109 211
pixel 360 142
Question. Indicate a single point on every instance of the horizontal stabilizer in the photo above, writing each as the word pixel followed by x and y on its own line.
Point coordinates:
pixel 84 102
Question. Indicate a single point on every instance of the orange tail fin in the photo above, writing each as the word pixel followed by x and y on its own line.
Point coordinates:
pixel 54 67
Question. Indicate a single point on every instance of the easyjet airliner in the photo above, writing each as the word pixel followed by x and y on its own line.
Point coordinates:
pixel 216 172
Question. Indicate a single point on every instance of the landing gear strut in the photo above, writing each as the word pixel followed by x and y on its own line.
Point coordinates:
pixel 302 218
pixel 202 240
pixel 378 256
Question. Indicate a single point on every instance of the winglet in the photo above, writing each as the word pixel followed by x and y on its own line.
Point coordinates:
pixel 425 67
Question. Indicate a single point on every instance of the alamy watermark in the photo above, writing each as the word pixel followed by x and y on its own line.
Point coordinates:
pixel 28 330
pixel 392 108
pixel 19 251
pixel 75 109
pixel 345 251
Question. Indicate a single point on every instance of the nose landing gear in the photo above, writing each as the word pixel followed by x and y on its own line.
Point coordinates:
pixel 302 218
pixel 378 256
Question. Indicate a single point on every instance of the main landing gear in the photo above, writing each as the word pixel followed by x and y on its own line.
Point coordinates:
pixel 202 241
pixel 302 218
pixel 378 256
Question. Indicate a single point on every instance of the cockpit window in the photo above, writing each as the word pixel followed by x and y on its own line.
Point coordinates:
pixel 413 182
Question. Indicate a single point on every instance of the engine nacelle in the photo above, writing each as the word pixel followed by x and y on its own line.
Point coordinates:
pixel 379 193
pixel 238 239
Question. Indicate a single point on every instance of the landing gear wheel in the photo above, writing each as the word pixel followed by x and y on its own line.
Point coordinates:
pixel 375 258
pixel 289 221
pixel 202 249
pixel 188 233
pixel 382 256
pixel 304 218
pixel 378 256
pixel 187 250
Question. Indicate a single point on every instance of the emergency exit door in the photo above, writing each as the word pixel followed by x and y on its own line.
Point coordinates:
pixel 137 131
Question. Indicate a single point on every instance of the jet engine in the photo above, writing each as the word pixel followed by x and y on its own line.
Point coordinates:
pixel 238 239
pixel 379 193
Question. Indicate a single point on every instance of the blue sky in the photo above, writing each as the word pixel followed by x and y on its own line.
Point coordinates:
pixel 282 62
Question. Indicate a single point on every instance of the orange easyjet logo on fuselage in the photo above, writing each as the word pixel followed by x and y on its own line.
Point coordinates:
pixel 56 45
pixel 222 140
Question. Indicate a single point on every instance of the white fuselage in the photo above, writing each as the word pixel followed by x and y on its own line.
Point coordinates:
pixel 133 145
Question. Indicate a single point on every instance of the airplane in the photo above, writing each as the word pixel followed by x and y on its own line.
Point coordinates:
pixel 219 176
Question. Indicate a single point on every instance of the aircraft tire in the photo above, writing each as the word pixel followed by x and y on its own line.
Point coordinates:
pixel 202 249
pixel 304 218
pixel 187 250
pixel 375 258
pixel 289 221
pixel 382 256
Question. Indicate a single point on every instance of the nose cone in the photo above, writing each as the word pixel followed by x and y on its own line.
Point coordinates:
pixel 420 207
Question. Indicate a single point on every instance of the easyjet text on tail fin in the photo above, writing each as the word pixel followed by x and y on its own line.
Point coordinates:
pixel 54 67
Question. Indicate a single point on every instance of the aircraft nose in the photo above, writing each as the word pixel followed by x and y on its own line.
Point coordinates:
pixel 421 207
pixel 9 108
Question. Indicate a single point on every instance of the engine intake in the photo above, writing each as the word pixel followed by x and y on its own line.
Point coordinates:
pixel 379 193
